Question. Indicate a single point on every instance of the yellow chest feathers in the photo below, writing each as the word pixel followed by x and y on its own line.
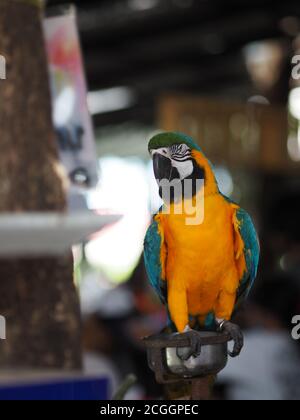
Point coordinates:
pixel 212 224
pixel 199 250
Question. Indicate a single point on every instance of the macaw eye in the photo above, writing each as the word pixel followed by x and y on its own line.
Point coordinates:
pixel 164 151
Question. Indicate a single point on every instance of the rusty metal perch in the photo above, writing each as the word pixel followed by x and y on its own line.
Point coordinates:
pixel 170 369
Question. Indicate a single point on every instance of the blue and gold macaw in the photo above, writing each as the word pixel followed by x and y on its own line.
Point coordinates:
pixel 201 271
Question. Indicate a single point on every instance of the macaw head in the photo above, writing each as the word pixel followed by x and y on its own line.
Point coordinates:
pixel 176 157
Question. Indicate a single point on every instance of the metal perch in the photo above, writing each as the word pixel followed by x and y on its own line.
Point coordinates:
pixel 169 368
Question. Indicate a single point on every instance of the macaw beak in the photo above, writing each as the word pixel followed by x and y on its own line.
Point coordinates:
pixel 162 166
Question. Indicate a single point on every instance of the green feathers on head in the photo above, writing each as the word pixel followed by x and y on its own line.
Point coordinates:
pixel 169 139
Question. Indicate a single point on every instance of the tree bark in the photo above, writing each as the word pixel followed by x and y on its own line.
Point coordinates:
pixel 37 296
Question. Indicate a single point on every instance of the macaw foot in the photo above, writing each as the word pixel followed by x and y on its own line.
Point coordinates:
pixel 195 346
pixel 236 335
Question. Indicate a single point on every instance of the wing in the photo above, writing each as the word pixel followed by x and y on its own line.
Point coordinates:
pixel 154 256
pixel 247 246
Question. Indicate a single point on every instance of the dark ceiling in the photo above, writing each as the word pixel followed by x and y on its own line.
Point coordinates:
pixel 156 46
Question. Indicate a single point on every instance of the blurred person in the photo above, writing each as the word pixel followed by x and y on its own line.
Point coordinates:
pixel 97 344
pixel 113 333
pixel 99 351
pixel 269 366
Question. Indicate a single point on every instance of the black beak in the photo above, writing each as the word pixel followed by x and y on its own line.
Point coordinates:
pixel 162 167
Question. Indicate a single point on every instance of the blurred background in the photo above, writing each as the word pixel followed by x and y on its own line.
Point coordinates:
pixel 228 74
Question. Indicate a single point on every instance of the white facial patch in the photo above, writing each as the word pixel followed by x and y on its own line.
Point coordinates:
pixel 182 160
pixel 185 169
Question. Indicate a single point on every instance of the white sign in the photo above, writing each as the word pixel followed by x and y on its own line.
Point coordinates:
pixel 71 117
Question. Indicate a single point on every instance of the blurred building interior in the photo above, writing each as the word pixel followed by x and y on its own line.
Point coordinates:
pixel 223 72
pixel 227 73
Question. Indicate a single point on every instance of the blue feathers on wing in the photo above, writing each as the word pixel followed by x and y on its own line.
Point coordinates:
pixel 251 252
pixel 152 257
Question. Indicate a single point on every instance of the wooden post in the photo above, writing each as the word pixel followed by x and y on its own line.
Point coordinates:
pixel 37 296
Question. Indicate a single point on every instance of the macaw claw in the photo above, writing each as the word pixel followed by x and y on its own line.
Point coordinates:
pixel 195 346
pixel 236 335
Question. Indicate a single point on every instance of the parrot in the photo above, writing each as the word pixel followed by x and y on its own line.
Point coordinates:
pixel 202 271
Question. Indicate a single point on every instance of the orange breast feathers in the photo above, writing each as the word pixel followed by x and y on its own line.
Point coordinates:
pixel 202 264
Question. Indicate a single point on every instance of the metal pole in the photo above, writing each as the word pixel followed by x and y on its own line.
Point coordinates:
pixel 201 389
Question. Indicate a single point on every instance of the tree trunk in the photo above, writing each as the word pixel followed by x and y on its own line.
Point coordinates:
pixel 37 296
